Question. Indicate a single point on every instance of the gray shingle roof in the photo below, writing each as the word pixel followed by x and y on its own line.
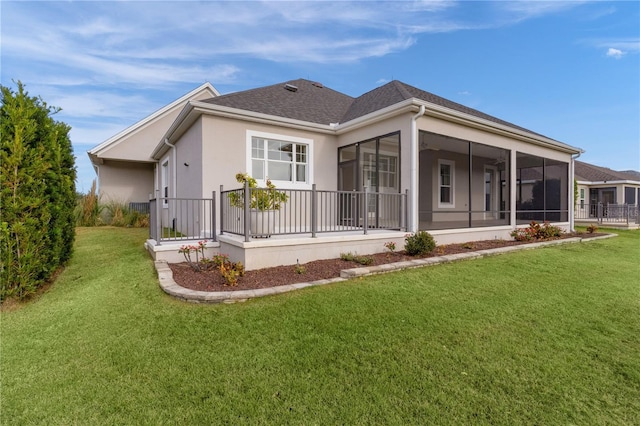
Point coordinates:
pixel 590 173
pixel 311 102
pixel 397 91
pixel 317 104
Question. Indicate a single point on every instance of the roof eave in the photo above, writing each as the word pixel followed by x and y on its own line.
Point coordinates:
pixel 194 109
pixel 142 123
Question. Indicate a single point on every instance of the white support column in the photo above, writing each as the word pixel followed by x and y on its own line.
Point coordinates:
pixel 512 189
pixel 413 187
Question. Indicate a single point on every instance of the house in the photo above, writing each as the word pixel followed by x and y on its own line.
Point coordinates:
pixel 606 195
pixel 123 164
pixel 357 172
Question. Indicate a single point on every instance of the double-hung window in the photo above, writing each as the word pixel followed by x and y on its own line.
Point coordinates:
pixel 282 159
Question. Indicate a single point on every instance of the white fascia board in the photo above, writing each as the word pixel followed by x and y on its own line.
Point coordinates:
pixel 194 109
pixel 481 123
pixel 408 105
pixel 609 182
pixel 142 123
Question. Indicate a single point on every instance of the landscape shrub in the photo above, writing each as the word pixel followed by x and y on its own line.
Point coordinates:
pixel 535 231
pixel 195 258
pixel 362 260
pixel 419 243
pixel 37 193
pixel 593 228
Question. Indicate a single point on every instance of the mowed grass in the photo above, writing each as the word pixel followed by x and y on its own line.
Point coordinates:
pixel 545 336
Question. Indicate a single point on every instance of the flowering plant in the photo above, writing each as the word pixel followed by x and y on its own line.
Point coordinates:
pixel 200 262
pixel 390 245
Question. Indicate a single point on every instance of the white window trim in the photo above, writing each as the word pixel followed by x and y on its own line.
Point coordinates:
pixel 284 138
pixel 452 204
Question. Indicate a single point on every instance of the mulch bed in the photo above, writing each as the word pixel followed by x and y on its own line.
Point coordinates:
pixel 186 277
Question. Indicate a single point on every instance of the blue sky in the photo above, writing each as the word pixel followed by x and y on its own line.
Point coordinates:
pixel 568 70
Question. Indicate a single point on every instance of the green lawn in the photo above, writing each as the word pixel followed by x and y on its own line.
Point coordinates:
pixel 547 336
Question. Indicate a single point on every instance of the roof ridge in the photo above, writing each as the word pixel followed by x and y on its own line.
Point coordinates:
pixel 402 89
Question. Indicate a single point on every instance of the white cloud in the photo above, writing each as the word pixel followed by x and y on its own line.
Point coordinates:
pixel 615 53
pixel 382 81
pixel 464 93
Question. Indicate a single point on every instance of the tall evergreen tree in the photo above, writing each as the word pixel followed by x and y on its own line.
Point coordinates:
pixel 37 193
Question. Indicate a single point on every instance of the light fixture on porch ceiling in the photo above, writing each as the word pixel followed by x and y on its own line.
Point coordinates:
pixel 424 145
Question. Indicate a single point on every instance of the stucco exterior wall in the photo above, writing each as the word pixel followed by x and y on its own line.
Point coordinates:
pixel 190 163
pixel 224 152
pixel 139 145
pixel 122 181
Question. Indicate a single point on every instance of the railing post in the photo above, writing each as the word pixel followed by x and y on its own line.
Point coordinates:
pixel 247 213
pixel 213 216
pixel 406 210
pixel 314 211
pixel 600 212
pixel 366 210
pixel 221 211
pixel 627 213
pixel 159 209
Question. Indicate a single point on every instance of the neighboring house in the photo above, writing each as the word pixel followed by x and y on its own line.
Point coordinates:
pixel 123 163
pixel 606 194
pixel 420 162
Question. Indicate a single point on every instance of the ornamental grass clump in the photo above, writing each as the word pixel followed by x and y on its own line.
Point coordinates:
pixel 419 243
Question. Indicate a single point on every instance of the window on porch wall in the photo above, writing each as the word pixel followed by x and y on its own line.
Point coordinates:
pixel 462 184
pixel 542 189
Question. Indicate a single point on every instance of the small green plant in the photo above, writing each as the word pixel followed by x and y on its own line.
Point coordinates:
pixel 220 259
pixel 419 243
pixel 362 260
pixel 299 268
pixel 390 245
pixel 347 257
pixel 230 273
pixel 468 246
pixel 593 228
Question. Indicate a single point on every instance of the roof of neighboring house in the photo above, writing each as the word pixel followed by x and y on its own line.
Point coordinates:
pixel 297 99
pixel 591 173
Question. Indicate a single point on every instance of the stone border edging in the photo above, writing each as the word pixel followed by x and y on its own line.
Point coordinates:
pixel 169 286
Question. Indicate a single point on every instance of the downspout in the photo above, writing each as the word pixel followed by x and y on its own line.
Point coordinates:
pixel 572 206
pixel 413 187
